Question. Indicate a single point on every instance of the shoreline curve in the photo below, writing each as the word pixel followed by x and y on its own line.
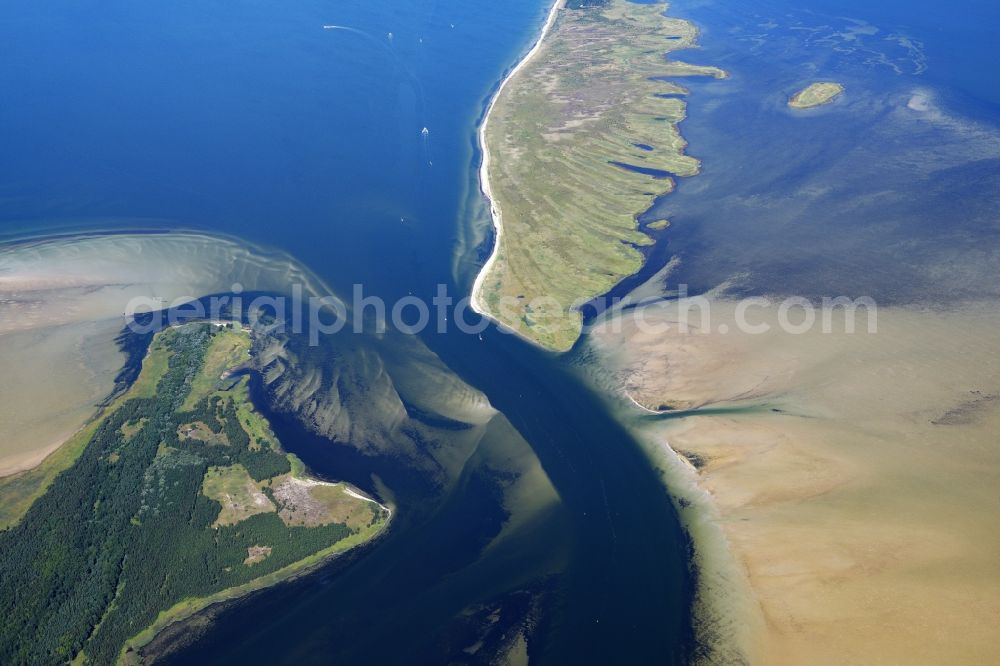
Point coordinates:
pixel 484 177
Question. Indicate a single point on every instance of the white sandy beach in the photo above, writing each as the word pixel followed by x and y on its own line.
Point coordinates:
pixel 484 167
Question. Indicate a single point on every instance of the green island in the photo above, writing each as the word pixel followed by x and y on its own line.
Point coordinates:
pixel 816 94
pixel 578 142
pixel 176 496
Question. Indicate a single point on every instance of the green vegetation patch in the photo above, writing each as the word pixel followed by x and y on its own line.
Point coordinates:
pixel 816 94
pixel 132 428
pixel 228 349
pixel 236 492
pixel 201 432
pixel 154 366
pixel 255 425
pixel 132 533
pixel 565 139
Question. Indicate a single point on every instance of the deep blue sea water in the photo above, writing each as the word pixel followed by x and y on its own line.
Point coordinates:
pixel 250 119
